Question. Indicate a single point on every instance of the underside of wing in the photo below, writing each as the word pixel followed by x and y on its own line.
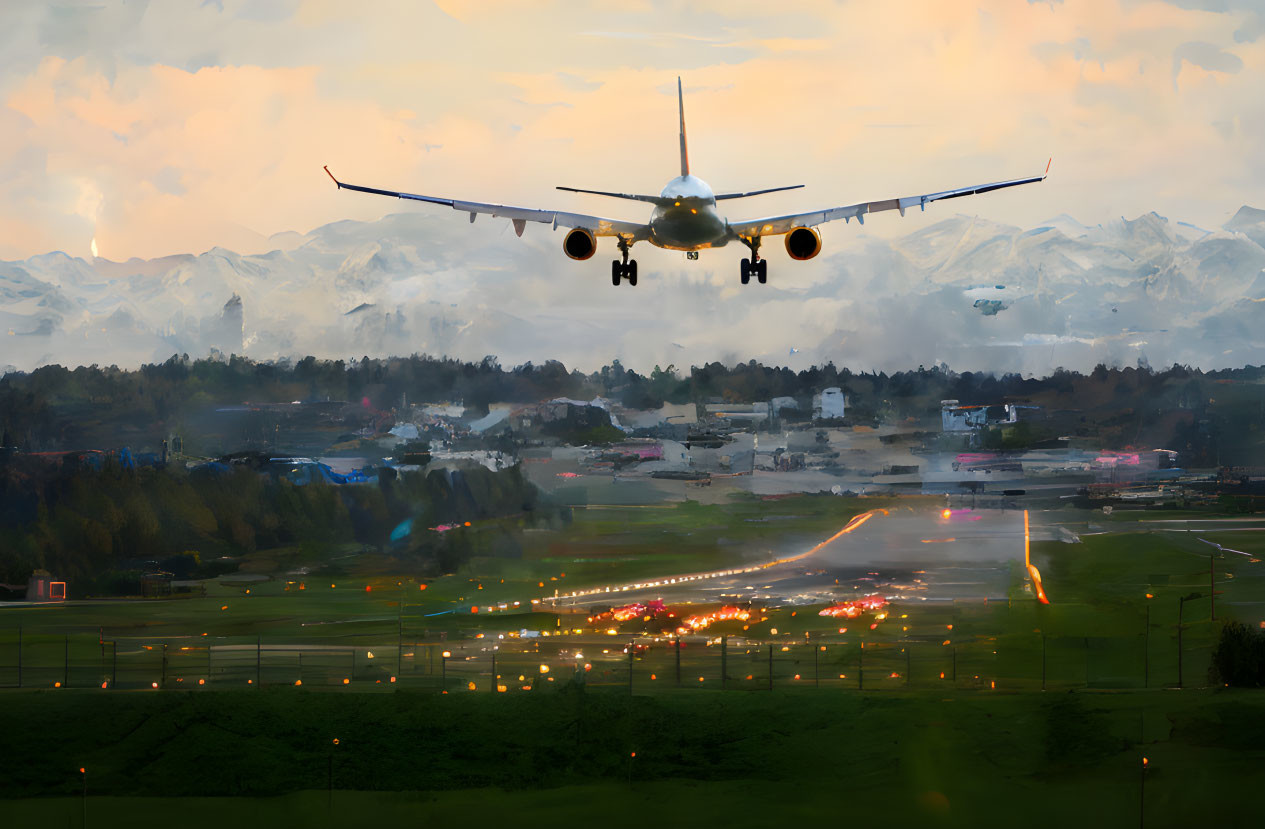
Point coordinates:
pixel 597 225
pixel 774 225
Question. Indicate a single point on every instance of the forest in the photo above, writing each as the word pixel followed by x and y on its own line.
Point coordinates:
pixel 101 528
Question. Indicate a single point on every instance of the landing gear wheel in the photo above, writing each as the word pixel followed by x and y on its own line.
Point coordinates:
pixel 746 271
pixel 762 271
pixel 630 270
pixel 617 272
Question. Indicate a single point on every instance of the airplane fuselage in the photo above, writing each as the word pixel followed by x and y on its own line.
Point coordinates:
pixel 690 222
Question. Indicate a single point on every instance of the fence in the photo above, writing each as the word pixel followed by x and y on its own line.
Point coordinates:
pixel 640 665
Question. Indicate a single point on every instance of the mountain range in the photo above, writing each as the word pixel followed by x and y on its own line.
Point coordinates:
pixel 965 291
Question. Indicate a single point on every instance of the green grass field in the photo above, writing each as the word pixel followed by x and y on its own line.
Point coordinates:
pixel 743 759
pixel 947 724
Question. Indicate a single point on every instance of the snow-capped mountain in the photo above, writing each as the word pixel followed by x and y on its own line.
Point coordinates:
pixel 1067 294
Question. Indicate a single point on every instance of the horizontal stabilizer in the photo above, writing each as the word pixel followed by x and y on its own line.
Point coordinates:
pixel 630 196
pixel 756 192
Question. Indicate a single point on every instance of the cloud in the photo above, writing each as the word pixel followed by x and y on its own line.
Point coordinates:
pixel 1205 56
pixel 196 121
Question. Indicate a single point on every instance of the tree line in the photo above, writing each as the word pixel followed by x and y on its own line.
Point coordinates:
pixel 98 528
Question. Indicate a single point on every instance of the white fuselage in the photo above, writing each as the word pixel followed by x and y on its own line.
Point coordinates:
pixel 691 221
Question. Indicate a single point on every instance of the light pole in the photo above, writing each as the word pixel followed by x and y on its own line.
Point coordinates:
pixel 1146 646
pixel 330 778
pixel 1181 603
pixel 83 772
pixel 443 671
pixel 1142 795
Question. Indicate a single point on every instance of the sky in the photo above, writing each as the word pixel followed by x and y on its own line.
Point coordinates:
pixel 174 127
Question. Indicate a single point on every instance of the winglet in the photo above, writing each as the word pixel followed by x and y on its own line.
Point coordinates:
pixel 685 155
pixel 1047 167
pixel 331 175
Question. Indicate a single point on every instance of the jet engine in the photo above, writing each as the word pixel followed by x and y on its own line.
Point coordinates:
pixel 803 243
pixel 579 244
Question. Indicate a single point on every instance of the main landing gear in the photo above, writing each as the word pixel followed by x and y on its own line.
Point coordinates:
pixel 627 269
pixel 755 266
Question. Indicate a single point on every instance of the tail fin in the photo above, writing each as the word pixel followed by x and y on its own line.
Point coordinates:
pixel 685 154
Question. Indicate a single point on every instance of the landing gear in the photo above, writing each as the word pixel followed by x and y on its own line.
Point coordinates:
pixel 620 271
pixel 755 266
pixel 627 269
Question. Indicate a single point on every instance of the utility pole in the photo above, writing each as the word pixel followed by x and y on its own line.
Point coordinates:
pixel 1146 650
pixel 1042 661
pixel 678 660
pixel 1181 603
pixel 1212 587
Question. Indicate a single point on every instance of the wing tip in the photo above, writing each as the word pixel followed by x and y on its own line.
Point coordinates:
pixel 331 176
pixel 1047 167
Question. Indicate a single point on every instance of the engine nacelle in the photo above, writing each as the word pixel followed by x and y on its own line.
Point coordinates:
pixel 579 244
pixel 803 243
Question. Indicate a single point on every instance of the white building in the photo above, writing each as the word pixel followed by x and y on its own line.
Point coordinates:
pixel 829 404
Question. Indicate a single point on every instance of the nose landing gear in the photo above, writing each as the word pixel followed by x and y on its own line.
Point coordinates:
pixel 755 266
pixel 627 269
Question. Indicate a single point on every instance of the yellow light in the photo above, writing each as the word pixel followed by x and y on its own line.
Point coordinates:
pixel 773 631
pixel 369 654
pixel 446 654
pixel 335 741
pixel 692 210
pixel 1145 762
pixel 674 204
pixel 346 681
pixel 652 676
pixel 947 513
pixel 298 682
pixel 544 669
pixel 202 682
pixel 56 684
pixel 470 686
pixel 393 679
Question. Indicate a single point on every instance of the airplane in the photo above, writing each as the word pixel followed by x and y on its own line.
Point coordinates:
pixel 685 218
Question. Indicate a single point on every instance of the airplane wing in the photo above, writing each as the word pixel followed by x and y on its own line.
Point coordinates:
pixel 784 224
pixel 599 226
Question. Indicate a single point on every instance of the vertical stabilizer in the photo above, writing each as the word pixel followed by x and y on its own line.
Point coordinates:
pixel 685 154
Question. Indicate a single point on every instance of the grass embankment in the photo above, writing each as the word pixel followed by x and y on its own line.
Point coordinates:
pixel 735 759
